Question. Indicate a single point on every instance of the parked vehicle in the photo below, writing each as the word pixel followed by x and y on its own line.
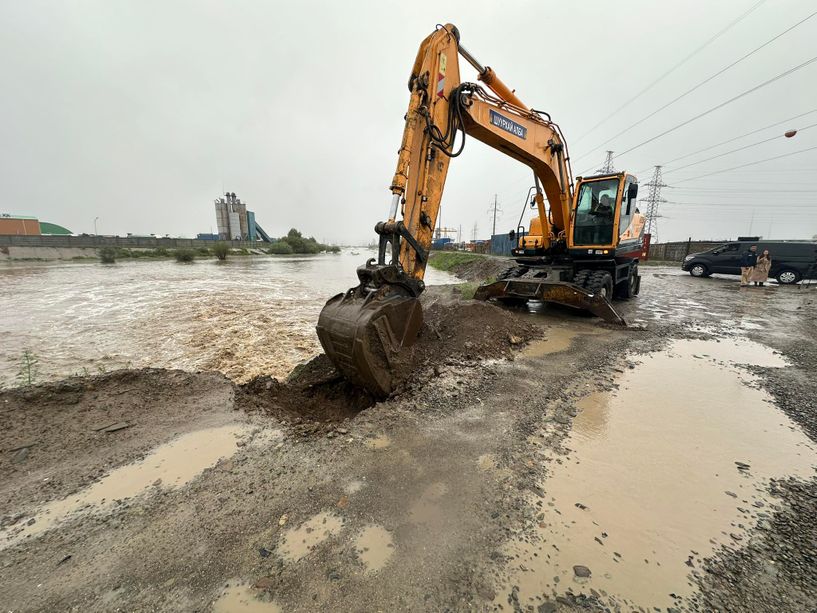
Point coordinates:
pixel 791 260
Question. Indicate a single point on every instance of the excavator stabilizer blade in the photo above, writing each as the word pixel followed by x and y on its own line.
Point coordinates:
pixel 363 335
pixel 557 292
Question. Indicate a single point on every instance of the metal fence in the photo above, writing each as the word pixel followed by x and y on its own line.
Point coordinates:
pixel 131 242
pixel 676 252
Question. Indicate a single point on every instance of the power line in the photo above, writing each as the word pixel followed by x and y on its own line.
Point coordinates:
pixel 734 138
pixel 776 157
pixel 704 82
pixel 675 67
pixel 721 105
pixel 720 155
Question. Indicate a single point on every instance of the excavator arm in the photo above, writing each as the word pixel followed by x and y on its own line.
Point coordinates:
pixel 364 329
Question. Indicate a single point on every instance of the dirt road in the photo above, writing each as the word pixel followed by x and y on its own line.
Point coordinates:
pixel 536 461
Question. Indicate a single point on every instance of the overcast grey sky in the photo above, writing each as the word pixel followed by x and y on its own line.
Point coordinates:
pixel 141 112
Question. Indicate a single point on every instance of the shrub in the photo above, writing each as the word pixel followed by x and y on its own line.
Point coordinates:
pixel 281 247
pixel 184 255
pixel 220 250
pixel 28 368
pixel 203 251
pixel 107 255
pixel 161 252
pixel 333 249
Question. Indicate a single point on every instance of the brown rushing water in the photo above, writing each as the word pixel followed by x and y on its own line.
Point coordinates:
pixel 244 317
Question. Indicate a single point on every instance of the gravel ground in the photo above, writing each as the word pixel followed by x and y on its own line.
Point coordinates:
pixel 327 501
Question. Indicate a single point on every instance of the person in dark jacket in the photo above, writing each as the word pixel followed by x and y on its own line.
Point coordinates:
pixel 747 265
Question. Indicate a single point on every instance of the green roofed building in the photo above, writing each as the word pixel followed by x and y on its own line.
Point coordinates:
pixel 54 229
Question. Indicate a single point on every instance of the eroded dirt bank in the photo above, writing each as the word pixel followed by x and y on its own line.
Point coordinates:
pixel 164 490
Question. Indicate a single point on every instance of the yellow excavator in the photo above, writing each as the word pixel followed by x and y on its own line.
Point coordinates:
pixel 581 250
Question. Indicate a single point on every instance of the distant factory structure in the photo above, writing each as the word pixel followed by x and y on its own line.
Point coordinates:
pixel 235 222
pixel 19 225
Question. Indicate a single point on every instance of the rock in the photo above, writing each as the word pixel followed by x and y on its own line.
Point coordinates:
pixel 20 455
pixel 283 520
pixel 31 522
pixel 342 431
pixel 264 583
pixel 116 427
pixel 547 607
pixel 264 552
pixel 515 340
pixel 581 571
pixel 732 494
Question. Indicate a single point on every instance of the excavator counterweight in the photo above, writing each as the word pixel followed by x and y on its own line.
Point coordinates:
pixel 581 251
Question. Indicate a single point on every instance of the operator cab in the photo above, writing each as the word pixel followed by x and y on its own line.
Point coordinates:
pixel 605 214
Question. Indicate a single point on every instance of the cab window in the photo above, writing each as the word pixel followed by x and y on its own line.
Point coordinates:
pixel 595 210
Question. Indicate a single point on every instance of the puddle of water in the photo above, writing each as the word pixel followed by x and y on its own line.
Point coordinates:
pixel 241 598
pixel 425 509
pixel 556 340
pixel 298 542
pixel 379 442
pixel 168 466
pixel 374 547
pixel 646 484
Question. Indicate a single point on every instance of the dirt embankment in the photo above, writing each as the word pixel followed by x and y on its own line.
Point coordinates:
pixel 470 266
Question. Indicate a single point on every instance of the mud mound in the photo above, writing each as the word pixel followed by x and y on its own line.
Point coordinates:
pixel 314 391
pixel 480 268
pixel 470 330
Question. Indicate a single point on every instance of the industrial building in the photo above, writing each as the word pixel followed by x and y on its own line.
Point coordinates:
pixel 235 222
pixel 20 225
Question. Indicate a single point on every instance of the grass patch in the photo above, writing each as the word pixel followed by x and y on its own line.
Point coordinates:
pixel 447 260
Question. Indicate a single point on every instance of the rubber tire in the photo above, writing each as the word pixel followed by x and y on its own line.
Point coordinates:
pixel 703 270
pixel 601 282
pixel 582 277
pixel 793 277
pixel 512 273
pixel 627 289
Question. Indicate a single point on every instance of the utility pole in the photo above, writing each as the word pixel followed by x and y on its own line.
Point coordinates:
pixel 653 200
pixel 607 168
pixel 95 220
pixel 459 234
pixel 492 211
pixel 474 232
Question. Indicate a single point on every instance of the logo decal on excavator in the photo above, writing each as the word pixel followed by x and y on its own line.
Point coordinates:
pixel 441 75
pixel 503 123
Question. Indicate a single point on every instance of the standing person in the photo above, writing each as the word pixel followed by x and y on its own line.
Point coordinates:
pixel 760 273
pixel 747 264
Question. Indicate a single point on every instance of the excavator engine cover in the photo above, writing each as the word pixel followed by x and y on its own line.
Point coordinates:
pixel 363 330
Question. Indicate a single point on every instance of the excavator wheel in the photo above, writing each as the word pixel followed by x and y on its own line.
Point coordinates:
pixel 600 282
pixel 581 277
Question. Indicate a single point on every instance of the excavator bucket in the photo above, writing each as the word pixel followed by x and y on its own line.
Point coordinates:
pixel 363 332
pixel 558 292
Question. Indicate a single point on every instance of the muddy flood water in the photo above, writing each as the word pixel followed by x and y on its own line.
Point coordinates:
pixel 244 317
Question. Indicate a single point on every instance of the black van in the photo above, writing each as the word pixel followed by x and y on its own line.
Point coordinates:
pixel 791 260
